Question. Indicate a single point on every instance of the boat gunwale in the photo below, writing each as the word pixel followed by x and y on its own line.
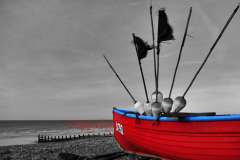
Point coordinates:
pixel 185 119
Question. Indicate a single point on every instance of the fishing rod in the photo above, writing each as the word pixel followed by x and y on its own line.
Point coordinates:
pixel 137 105
pixel 168 102
pixel 181 102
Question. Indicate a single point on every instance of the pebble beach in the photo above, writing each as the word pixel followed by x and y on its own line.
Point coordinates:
pixel 88 147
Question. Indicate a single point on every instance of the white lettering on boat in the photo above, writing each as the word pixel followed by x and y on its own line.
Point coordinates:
pixel 119 128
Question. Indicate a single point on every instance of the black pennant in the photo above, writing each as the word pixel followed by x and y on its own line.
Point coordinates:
pixel 142 47
pixel 165 31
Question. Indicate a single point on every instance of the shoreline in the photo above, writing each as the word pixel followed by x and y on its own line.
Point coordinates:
pixel 18 141
pixel 87 147
pixel 34 139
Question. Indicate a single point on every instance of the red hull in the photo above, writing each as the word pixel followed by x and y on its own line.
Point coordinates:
pixel 180 140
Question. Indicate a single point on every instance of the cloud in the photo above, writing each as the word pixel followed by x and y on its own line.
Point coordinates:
pixel 133 4
pixel 51 55
pixel 190 63
pixel 217 89
pixel 213 31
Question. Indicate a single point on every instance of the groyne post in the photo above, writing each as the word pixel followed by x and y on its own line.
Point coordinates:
pixel 45 138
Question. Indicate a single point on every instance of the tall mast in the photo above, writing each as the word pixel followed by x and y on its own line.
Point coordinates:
pixel 153 37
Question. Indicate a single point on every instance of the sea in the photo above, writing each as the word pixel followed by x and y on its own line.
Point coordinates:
pixel 19 132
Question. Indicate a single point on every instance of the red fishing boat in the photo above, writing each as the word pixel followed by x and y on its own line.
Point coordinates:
pixel 179 135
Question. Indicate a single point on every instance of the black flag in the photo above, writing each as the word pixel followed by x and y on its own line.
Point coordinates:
pixel 142 47
pixel 165 31
pixel 168 36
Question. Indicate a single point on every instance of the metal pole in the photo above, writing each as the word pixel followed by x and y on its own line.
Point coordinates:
pixel 121 81
pixel 155 72
pixel 179 57
pixel 212 48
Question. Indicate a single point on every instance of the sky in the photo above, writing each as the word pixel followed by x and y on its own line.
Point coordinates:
pixel 52 65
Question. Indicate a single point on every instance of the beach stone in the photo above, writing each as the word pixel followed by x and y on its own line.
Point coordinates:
pixel 83 158
pixel 6 152
pixel 67 156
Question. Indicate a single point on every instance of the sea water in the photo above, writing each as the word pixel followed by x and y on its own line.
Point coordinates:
pixel 27 131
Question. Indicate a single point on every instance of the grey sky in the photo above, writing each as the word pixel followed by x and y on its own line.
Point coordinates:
pixel 51 63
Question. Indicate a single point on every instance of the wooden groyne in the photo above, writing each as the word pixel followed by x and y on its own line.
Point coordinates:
pixel 44 138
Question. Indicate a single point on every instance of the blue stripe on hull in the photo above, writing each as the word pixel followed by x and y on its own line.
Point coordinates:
pixel 186 119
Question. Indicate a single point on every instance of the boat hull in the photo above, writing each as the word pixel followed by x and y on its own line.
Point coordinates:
pixel 183 138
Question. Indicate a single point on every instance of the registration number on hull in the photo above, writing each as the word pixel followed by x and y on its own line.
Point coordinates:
pixel 119 128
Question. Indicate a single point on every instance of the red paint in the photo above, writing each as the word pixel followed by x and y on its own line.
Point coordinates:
pixel 90 127
pixel 180 140
pixel 68 122
pixel 83 125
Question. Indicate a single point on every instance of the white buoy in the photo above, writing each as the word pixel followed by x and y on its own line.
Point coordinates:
pixel 156 108
pixel 167 105
pixel 139 107
pixel 148 109
pixel 160 97
pixel 179 103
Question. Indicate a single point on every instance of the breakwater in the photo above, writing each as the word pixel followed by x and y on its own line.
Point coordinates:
pixel 44 138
